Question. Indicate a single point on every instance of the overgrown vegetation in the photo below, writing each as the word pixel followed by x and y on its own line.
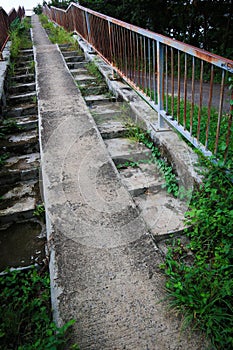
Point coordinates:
pixel 25 316
pixel 171 184
pixel 202 23
pixel 202 290
pixel 20 36
pixel 93 70
pixel 57 34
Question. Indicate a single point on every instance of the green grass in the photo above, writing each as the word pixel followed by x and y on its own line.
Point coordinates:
pixel 19 36
pixel 202 290
pixel 25 316
pixel 58 35
pixel 203 122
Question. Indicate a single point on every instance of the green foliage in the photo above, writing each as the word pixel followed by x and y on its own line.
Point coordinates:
pixel 57 34
pixel 203 290
pixel 137 134
pixel 3 158
pixel 8 126
pixel 19 36
pixel 25 317
pixel 205 24
pixel 93 70
pixel 39 211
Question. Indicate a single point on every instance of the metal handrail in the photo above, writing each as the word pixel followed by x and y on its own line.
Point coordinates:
pixel 5 21
pixel 176 79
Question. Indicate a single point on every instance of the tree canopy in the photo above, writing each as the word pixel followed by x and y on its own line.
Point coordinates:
pixel 203 23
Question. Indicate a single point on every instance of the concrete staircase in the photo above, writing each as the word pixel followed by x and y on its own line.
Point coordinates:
pixel 164 214
pixel 22 234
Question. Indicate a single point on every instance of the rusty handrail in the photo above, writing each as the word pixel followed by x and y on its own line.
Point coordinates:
pixel 176 79
pixel 5 21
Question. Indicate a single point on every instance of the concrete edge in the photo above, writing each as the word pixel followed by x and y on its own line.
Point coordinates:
pixel 53 270
pixel 172 147
pixel 3 71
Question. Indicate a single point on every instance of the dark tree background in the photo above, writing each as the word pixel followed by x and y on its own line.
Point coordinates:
pixel 207 24
pixel 203 23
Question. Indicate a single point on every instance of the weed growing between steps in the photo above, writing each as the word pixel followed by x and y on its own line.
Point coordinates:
pixel 25 316
pixel 202 291
pixel 20 36
pixel 58 35
pixel 93 70
pixel 171 185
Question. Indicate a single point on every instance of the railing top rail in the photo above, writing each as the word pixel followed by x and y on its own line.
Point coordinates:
pixel 216 60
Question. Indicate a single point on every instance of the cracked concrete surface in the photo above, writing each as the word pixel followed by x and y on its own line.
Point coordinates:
pixel 103 263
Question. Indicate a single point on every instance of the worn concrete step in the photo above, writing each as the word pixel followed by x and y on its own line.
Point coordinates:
pixel 27 122
pixel 22 88
pixel 108 112
pixel 22 244
pixel 92 100
pixel 24 70
pixel 75 65
pixel 81 69
pixel 24 62
pixel 18 99
pixel 23 79
pixel 92 89
pixel 25 52
pixel 20 168
pixel 141 178
pixel 86 79
pixel 27 56
pixel 163 214
pixel 68 54
pixel 112 129
pixel 124 150
pixel 20 143
pixel 74 58
pixel 18 202
pixel 23 110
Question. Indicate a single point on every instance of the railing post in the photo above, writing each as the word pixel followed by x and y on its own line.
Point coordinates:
pixel 160 72
pixel 88 31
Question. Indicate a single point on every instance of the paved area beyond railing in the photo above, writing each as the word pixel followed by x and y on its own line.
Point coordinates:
pixel 187 86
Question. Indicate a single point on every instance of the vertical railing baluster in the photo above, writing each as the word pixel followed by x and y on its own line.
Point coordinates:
pixel 200 102
pixel 219 113
pixel 178 87
pixel 192 97
pixel 209 106
pixel 160 64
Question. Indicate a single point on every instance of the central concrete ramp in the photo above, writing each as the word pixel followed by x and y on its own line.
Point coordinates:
pixel 103 263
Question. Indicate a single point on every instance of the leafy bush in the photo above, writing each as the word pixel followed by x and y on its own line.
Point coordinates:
pixel 25 317
pixel 203 290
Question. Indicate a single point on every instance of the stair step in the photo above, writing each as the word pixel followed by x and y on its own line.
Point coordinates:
pixel 144 177
pixel 112 129
pixel 21 98
pixel 22 88
pixel 24 110
pixel 75 65
pixel 98 99
pixel 124 150
pixel 73 58
pixel 20 168
pixel 27 122
pixel 19 202
pixel 80 70
pixel 92 89
pixel 20 143
pixel 22 244
pixel 86 79
pixel 23 79
pixel 163 213
pixel 19 210
pixel 68 54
